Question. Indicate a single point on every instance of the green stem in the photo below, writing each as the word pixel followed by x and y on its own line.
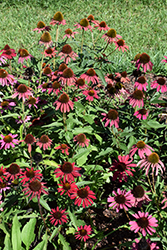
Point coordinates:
pixel 111 53
pixel 105 47
pixel 64 121
pixel 41 67
pixel 82 40
pixel 57 34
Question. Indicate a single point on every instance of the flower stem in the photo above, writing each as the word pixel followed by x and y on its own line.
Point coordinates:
pixel 64 121
pixel 82 40
pixel 57 33
pixel 40 210
pixel 41 67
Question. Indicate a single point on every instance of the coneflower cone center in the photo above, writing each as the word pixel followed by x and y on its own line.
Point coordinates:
pixel 84 22
pixel 68 31
pixel 112 33
pixel 6 47
pixel 22 88
pixel 3 73
pixel 118 85
pixel 120 199
pixel 3 185
pixel 142 111
pixel 63 146
pixel 57 215
pixel 103 24
pixel 47 71
pixel 112 114
pixel 141 80
pixel 153 158
pixel 138 94
pixel 144 58
pixel 143 222
pixel 46 37
pixel 91 17
pixel 40 25
pixel 35 185
pixel 8 52
pixel 66 49
pixel 55 85
pixel 80 82
pixel 8 139
pixel 64 98
pixel 49 51
pixel 138 192
pixel 161 81
pixel 66 186
pixel 124 74
pixel 29 139
pixel 68 73
pixel 81 138
pixel 82 193
pixel 1 172
pixel 137 56
pixel 24 53
pixel 62 67
pixel 32 100
pixel 30 173
pixel 14 169
pixel 67 167
pixel 91 92
pixel 91 72
pixel 58 16
pixel 121 166
pixel 120 42
pixel 112 90
pixel 111 76
pixel 83 232
pixel 44 139
pixel 140 144
pixel 45 85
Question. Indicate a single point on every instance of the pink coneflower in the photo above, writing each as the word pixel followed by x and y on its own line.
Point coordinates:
pixel 80 83
pixel 67 171
pixel 67 78
pixel 123 77
pixel 64 148
pixel 58 216
pixel 109 78
pixel 66 187
pixel 164 60
pixel 50 52
pixel 8 53
pixel 44 86
pixel 2 60
pixel 141 83
pixel 41 26
pixel 23 55
pixel 29 140
pixel 139 244
pixel 141 114
pixel 81 140
pixel 144 223
pixel 26 119
pixel 111 118
pixel 35 188
pixel 47 71
pixel 22 91
pixel 5 78
pixel 90 94
pixel 56 87
pixel 121 200
pixel 4 186
pixel 32 101
pixel 144 61
pixel 6 104
pixel 120 45
pixel 30 174
pixel 101 26
pixel 58 19
pixel 90 76
pixel 83 232
pixel 164 193
pixel 142 148
pixel 151 161
pixel 111 36
pixel 8 141
pixel 69 33
pixel 67 54
pixel 91 19
pixel 44 142
pixel 140 195
pixel 61 68
pixel 13 172
pixel 136 99
pixel 122 168
pixel 3 174
pixel 46 39
pixel 84 25
pixel 160 84
pixel 83 195
pixel 64 103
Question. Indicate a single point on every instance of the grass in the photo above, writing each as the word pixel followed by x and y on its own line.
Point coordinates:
pixel 140 23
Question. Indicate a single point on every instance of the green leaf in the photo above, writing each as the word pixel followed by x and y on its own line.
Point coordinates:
pixel 98 137
pixel 132 141
pixel 153 124
pixel 64 242
pixel 89 118
pixel 44 204
pixel 55 231
pixel 73 219
pixel 14 115
pixel 42 245
pixel 79 106
pixel 70 230
pixel 50 163
pixel 16 234
pixel 28 235
pixel 53 124
pixel 100 74
pixel 87 129
pixel 104 152
pixel 7 243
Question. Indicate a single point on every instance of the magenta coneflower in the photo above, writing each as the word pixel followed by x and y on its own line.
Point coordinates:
pixel 141 114
pixel 22 91
pixel 141 83
pixel 142 148
pixel 122 168
pixel 46 39
pixel 140 195
pixel 144 223
pixel 159 84
pixel 8 53
pixel 67 77
pixel 32 101
pixel 164 193
pixel 164 60
pixel 67 171
pixel 144 61
pixel 61 68
pixel 6 104
pixel 109 78
pixel 83 232
pixel 83 195
pixel 23 55
pixel 67 54
pixel 81 140
pixel 4 186
pixel 139 244
pixel 44 86
pixel 66 187
pixel 50 52
pixel 91 19
pixel 3 174
pixel 2 60
pixel 111 118
pixel 136 99
pixel 35 188
pixel 58 216
pixel 80 83
pixel 101 26
pixel 47 71
pixel 121 200
pixel 44 142
pixel 64 103
pixel 64 148
pixel 26 119
pixel 29 140
pixel 121 45
pixel 56 87
pixel 151 161
pixel 8 141
pixel 90 76
pixel 41 26
pixel 30 174
pixel 69 33
pixel 5 78
pixel 58 19
pixel 84 25
pixel 13 172
pixel 90 94
pixel 111 36
pixel 123 77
